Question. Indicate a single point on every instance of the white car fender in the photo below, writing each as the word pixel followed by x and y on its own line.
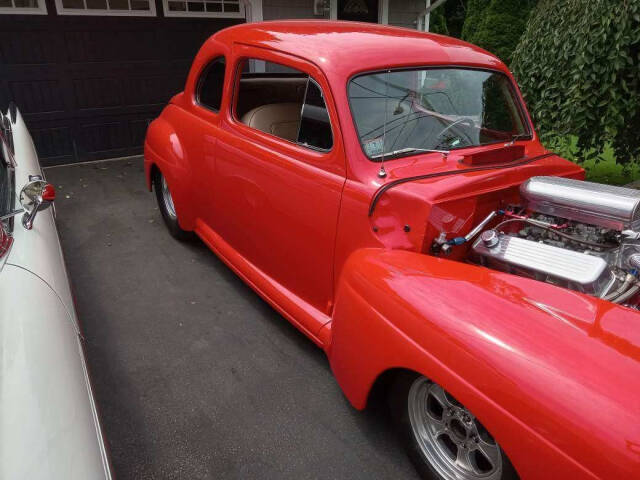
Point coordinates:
pixel 48 422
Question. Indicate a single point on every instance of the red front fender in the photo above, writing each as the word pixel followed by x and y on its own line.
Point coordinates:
pixel 553 374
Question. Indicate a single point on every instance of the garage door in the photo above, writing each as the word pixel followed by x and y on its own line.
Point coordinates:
pixel 89 75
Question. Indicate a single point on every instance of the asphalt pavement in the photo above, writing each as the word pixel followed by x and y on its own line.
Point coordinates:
pixel 195 376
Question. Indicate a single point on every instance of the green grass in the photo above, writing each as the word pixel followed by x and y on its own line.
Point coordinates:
pixel 604 169
pixel 608 171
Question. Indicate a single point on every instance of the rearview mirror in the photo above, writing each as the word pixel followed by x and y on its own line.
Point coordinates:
pixel 35 196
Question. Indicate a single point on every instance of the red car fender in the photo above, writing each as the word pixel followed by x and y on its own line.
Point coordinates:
pixel 163 149
pixel 538 365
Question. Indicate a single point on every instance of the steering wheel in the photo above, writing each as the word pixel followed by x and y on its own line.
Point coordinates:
pixel 460 121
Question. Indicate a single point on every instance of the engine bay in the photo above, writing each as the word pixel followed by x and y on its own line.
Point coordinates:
pixel 578 235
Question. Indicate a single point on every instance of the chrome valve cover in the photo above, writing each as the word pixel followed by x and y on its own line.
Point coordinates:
pixel 571 269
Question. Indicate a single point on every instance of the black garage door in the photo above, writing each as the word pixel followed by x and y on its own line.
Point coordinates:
pixel 89 85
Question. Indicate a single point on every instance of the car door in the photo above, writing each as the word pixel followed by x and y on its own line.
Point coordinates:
pixel 277 199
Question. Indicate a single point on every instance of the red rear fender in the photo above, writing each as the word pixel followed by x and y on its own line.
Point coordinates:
pixel 164 149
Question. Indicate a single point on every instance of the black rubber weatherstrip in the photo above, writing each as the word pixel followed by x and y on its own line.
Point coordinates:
pixel 400 181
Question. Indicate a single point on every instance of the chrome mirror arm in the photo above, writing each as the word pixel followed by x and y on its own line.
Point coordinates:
pixel 29 217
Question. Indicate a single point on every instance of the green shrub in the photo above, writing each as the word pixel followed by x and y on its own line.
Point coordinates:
pixel 497 25
pixel 503 24
pixel 454 12
pixel 578 65
pixel 438 22
pixel 474 17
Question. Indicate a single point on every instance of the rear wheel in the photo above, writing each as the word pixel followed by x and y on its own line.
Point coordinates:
pixel 167 208
pixel 442 437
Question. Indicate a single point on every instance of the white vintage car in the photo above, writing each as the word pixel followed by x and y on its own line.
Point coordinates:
pixel 49 427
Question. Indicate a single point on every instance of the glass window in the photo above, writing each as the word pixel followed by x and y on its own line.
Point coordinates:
pixel 211 84
pixel 6 195
pixel 106 7
pixel 37 7
pixel 203 8
pixel 402 112
pixel 270 98
pixel 284 102
pixel 315 126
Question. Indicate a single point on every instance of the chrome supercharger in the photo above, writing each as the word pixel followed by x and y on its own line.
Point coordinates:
pixel 607 206
pixel 580 235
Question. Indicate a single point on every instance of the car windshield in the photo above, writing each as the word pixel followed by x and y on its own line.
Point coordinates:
pixel 407 111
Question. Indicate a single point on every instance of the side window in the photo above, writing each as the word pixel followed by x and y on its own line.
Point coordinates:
pixel 270 98
pixel 209 93
pixel 315 127
pixel 283 102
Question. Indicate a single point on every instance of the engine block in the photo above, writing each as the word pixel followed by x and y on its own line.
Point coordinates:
pixel 577 235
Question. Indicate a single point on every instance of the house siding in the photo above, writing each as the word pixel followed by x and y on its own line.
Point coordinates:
pixel 404 13
pixel 282 9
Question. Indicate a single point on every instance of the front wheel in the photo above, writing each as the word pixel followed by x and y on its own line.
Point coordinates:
pixel 442 437
pixel 167 208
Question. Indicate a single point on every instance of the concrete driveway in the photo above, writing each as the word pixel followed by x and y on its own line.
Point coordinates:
pixel 195 376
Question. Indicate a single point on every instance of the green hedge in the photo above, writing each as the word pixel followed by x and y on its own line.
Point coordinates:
pixel 496 25
pixel 578 65
pixel 438 22
pixel 448 19
pixel 474 17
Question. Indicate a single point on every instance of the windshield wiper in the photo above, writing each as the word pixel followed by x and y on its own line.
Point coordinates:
pixel 520 136
pixel 409 150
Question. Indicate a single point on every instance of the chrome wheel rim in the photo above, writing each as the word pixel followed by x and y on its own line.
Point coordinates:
pixel 167 199
pixel 449 437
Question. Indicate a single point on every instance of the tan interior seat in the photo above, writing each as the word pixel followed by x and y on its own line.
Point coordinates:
pixel 279 119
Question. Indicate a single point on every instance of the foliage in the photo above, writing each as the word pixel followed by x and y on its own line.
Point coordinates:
pixel 453 13
pixel 497 25
pixel 438 22
pixel 503 23
pixel 578 64
pixel 473 19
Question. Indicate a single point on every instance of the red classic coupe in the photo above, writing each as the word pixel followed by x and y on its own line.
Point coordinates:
pixel 385 191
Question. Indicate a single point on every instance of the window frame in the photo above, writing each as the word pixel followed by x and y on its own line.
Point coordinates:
pixel 234 101
pixel 304 101
pixel 519 104
pixel 200 81
pixel 41 10
pixel 171 13
pixel 8 161
pixel 106 12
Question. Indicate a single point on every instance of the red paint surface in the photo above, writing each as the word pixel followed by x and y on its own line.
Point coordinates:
pixel 553 374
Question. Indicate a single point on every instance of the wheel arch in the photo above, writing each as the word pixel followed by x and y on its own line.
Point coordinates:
pixel 383 384
pixel 153 171
pixel 165 153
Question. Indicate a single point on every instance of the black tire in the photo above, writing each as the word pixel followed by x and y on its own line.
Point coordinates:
pixel 168 211
pixel 399 404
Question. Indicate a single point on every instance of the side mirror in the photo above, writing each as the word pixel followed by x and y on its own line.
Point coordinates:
pixel 35 196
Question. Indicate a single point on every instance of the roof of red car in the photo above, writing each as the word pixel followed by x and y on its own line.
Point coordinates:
pixel 358 46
